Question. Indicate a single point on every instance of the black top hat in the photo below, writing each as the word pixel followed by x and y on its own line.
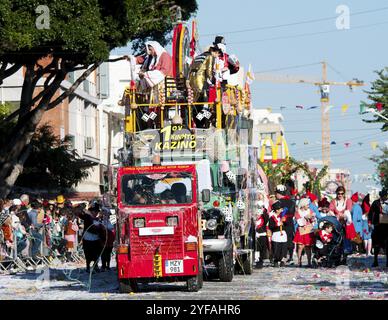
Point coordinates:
pixel 219 39
pixel 276 206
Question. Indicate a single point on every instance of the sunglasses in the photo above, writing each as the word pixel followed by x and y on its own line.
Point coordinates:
pixel 340 193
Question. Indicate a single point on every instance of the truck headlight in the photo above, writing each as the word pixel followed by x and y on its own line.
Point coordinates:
pixel 172 221
pixel 139 222
pixel 211 224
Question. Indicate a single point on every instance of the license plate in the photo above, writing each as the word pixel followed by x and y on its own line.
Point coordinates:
pixel 173 266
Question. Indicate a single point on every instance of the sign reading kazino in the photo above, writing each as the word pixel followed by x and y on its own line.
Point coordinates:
pixel 175 137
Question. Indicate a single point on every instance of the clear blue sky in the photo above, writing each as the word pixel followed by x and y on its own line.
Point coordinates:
pixel 354 53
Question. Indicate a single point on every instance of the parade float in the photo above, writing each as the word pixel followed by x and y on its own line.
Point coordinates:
pixel 165 132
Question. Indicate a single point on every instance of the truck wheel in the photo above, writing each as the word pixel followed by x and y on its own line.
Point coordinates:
pixel 248 264
pixel 128 286
pixel 194 284
pixel 226 267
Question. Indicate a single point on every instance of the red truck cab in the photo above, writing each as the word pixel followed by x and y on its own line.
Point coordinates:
pixel 159 234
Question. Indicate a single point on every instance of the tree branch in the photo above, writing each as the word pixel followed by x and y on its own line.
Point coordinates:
pixel 79 68
pixel 5 73
pixel 117 59
pixel 75 85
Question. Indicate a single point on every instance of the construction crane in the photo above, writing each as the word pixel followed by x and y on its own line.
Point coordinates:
pixel 324 86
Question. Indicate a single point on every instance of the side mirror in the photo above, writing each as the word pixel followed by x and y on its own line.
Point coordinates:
pixel 206 195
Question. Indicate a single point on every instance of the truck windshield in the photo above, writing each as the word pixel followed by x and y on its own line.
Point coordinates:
pixel 156 189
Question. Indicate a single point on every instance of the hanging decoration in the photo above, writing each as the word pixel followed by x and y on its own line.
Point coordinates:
pixel 363 108
pixel 344 108
pixel 146 117
pixel 347 144
pixel 299 107
pixel 313 107
pixel 374 144
pixel 333 142
pixel 379 106
pixel 205 114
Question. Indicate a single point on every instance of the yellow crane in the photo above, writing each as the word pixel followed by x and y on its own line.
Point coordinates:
pixel 324 86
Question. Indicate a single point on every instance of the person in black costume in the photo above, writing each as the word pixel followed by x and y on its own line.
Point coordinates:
pixel 283 196
pixel 378 208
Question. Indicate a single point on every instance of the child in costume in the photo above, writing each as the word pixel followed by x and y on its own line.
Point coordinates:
pixel 279 235
pixel 324 237
pixel 261 236
pixel 366 234
pixel 304 236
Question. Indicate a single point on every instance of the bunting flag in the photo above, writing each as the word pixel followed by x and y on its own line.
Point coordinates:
pixel 360 144
pixel 344 108
pixel 281 108
pixel 363 108
pixel 374 144
pixel 313 107
pixel 299 107
pixel 327 108
pixel 333 142
pixel 293 144
pixel 347 144
pixel 379 106
pixel 306 142
pixel 269 110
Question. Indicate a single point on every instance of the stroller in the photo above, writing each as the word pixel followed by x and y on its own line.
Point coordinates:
pixel 329 254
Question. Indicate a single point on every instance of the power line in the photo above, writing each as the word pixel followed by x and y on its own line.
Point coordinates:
pixel 338 130
pixel 286 68
pixel 309 34
pixel 292 23
pixel 337 72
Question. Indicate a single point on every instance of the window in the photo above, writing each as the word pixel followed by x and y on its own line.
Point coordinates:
pixel 156 189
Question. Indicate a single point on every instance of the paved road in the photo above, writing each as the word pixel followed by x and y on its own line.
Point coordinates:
pixel 355 281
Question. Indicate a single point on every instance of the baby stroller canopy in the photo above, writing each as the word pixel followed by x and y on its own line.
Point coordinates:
pixel 333 220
